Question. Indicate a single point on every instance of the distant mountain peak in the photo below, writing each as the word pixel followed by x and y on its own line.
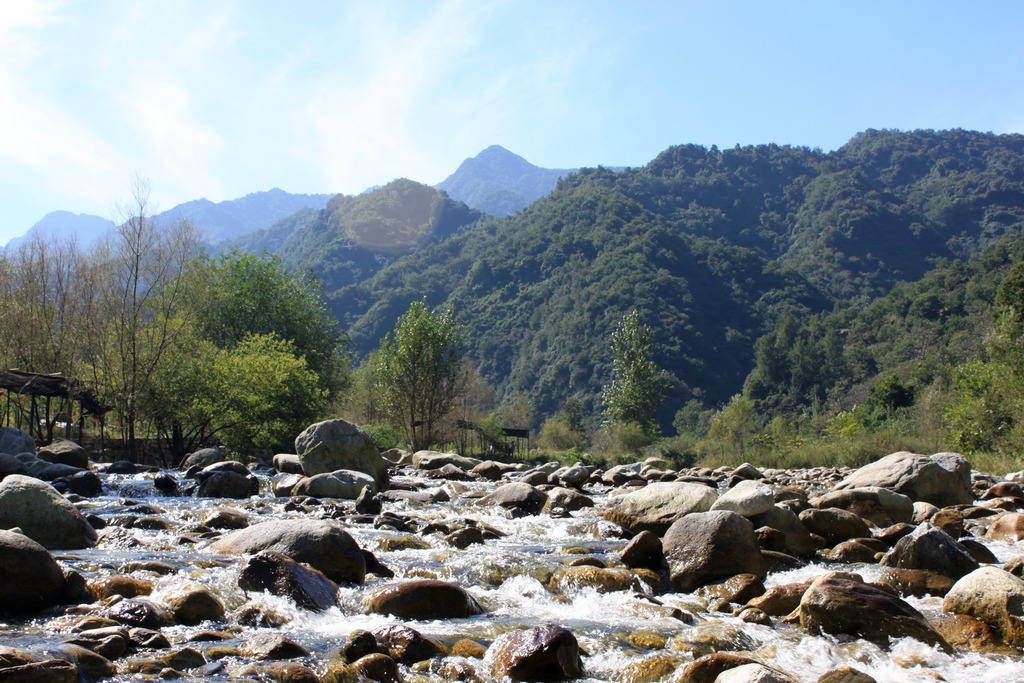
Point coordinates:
pixel 500 182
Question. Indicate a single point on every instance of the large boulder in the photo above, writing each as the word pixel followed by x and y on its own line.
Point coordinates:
pixel 43 514
pixel 30 579
pixel 703 547
pixel 798 538
pixel 346 484
pixel 657 506
pixel 432 460
pixel 227 479
pixel 15 442
pixel 1007 527
pixel 322 544
pixel 519 498
pixel 930 548
pixel 834 524
pixel 423 599
pixel 881 506
pixel 543 653
pixel 993 596
pixel 941 479
pixel 269 570
pixel 64 452
pixel 842 604
pixel 748 498
pixel 205 457
pixel 339 445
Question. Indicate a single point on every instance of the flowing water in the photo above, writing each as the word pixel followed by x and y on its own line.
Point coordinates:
pixel 620 632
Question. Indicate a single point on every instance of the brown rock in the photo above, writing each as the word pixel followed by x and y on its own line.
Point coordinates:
pixel 1007 527
pixel 423 599
pixel 781 599
pixel 193 603
pixel 378 667
pixel 405 645
pixel 835 525
pixel 846 674
pixel 839 603
pixel 707 668
pixel 569 580
pixel 917 582
pixel 995 597
pixel 545 653
pixel 280 575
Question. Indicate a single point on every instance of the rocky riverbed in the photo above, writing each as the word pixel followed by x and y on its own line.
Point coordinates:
pixel 433 567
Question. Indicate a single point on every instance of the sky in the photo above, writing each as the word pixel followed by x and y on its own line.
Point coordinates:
pixel 221 99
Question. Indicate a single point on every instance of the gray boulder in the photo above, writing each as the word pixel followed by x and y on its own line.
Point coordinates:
pixel 941 479
pixel 322 544
pixel 931 548
pixel 517 497
pixel 65 452
pixel 204 457
pixel 288 463
pixel 30 579
pixel 881 506
pixel 346 484
pixel 657 506
pixel 339 445
pixel 43 514
pixel 11 465
pixel 703 547
pixel 432 460
pixel 747 498
pixel 798 537
pixel 14 441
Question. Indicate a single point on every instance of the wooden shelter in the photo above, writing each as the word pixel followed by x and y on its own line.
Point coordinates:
pixel 43 415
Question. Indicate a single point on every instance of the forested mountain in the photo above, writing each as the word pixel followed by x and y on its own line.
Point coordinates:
pixel 499 183
pixel 354 237
pixel 712 246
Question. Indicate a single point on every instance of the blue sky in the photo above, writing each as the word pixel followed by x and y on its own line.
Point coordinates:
pixel 220 99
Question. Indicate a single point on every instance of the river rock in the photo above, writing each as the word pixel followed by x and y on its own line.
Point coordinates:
pixel 272 571
pixel 941 479
pixel 931 548
pixel 345 484
pixel 48 471
pixel 15 442
pixel 432 460
pixel 569 580
pixel 340 445
pixel 288 463
pixel 798 539
pixel 657 506
pixel 492 470
pixel 423 599
pixel 574 476
pixel 11 465
pixel 43 514
pixel 30 579
pixel 846 674
pixel 543 653
pixel 993 596
pixel 879 505
pixel 1007 527
pixel 781 599
pixel 85 483
pixel 322 544
pixel 405 645
pixel 703 547
pixel 192 603
pixel 643 552
pixel 378 667
pixel 839 603
pixel 747 498
pixel 141 613
pixel 272 646
pixel 64 452
pixel 204 457
pixel 519 498
pixel 916 582
pixel 753 673
pixel 46 671
pixel 570 500
pixel 834 525
pixel 707 668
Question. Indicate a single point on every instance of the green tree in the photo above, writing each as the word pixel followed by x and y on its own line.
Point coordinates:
pixel 252 295
pixel 638 387
pixel 420 371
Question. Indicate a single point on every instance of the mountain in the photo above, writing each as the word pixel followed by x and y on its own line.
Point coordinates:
pixel 499 183
pixel 236 217
pixel 63 225
pixel 711 246
pixel 217 221
pixel 352 238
